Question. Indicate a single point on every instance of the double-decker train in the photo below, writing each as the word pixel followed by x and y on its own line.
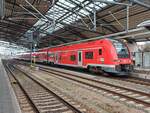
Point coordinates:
pixel 105 55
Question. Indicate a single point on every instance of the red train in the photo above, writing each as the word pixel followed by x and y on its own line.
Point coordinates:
pixel 108 55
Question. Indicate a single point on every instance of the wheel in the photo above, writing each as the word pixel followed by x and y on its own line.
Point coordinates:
pixel 92 69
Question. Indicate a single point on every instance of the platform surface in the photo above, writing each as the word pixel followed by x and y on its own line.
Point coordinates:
pixel 8 102
pixel 142 69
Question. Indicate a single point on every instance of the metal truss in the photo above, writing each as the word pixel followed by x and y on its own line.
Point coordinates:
pixel 79 11
pixel 120 35
pixel 75 12
pixel 73 16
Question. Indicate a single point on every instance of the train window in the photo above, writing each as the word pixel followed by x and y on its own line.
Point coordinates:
pixel 51 54
pixel 72 57
pixel 36 56
pixel 56 55
pixel 89 55
pixel 100 51
pixel 80 57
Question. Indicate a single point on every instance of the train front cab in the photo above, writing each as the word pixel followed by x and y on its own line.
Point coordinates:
pixel 123 62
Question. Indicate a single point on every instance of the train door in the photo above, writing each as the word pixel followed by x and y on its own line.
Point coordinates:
pixel 56 57
pixel 46 56
pixel 80 58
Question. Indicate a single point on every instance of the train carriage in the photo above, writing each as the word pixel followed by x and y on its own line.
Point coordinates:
pixel 41 55
pixel 108 55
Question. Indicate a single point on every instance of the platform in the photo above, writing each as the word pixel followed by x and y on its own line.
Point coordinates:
pixel 141 73
pixel 8 101
pixel 142 70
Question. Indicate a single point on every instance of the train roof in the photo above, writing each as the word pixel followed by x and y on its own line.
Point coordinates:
pixel 76 42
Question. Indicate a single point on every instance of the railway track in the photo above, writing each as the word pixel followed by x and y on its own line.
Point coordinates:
pixel 24 102
pixel 135 80
pixel 43 100
pixel 140 99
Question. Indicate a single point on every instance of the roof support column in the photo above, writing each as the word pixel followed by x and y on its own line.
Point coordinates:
pixel 2 9
pixel 94 12
pixel 127 21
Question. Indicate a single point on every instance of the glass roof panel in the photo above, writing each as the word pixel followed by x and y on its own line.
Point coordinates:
pixel 69 11
pixel 84 12
pixel 88 8
pixel 78 1
pixel 102 4
pixel 66 4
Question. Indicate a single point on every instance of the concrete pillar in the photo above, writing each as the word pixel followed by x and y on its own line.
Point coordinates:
pixel 2 9
pixel 133 47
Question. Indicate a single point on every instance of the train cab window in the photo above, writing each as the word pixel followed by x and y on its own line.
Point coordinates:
pixel 72 57
pixel 121 49
pixel 89 55
pixel 100 51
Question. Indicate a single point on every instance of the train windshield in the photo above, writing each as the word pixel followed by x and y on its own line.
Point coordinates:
pixel 122 50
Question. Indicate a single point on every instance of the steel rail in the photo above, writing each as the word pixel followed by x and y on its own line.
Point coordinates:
pixel 42 68
pixel 135 80
pixel 75 110
pixel 100 88
pixel 130 79
pixel 26 94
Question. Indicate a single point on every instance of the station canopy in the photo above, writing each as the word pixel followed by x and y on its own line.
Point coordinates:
pixel 53 22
